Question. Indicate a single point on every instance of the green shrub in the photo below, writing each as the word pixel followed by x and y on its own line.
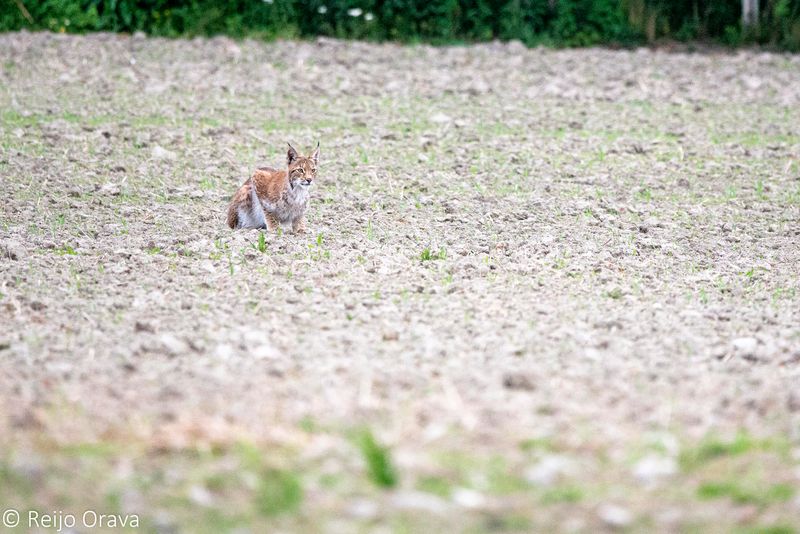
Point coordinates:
pixel 559 22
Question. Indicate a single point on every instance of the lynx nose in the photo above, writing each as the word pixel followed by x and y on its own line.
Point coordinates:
pixel 306 182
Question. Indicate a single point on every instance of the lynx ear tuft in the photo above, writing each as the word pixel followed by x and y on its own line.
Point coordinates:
pixel 315 154
pixel 291 155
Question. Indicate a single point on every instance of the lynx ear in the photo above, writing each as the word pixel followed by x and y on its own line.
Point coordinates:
pixel 315 155
pixel 291 155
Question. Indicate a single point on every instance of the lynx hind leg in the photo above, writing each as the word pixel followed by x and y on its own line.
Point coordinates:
pixel 233 216
pixel 299 225
pixel 237 212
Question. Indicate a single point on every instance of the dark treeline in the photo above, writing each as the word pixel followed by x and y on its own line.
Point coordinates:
pixel 550 22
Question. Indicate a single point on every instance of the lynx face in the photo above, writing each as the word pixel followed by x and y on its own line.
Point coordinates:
pixel 302 170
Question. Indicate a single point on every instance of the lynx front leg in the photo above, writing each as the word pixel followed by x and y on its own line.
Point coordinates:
pixel 272 223
pixel 299 225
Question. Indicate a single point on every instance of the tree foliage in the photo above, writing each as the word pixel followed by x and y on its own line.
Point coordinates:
pixel 556 22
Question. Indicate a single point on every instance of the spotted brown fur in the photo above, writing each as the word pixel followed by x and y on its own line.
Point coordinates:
pixel 280 197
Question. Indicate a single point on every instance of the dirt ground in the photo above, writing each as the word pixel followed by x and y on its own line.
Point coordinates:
pixel 541 290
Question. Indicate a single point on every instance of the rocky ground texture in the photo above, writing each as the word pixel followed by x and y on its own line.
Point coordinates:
pixel 542 290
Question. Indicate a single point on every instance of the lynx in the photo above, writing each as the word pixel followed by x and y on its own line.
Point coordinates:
pixel 272 198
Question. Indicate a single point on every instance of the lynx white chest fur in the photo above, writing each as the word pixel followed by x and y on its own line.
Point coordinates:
pixel 273 198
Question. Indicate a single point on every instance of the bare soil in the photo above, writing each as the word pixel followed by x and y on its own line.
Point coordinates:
pixel 560 287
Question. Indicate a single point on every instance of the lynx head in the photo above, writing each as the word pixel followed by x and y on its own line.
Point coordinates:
pixel 302 170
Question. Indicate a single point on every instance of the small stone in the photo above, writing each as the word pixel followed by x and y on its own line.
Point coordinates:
pixel 468 498
pixel 142 326
pixel 265 351
pixel 391 335
pixel 653 467
pixel 615 516
pixel 745 346
pixel 223 351
pixel 416 500
pixel 518 381
pixel 60 368
pixel 201 496
pixel 119 268
pixel 752 82
pixel 549 469
pixel 233 50
pixel 161 153
pixel 172 345
pixel 12 250
pixel 362 509
pixel 718 352
pixel 110 189
pixel 478 87
pixel 440 118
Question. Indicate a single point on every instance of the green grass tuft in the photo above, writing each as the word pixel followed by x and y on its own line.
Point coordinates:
pixel 279 492
pixel 379 462
pixel 435 485
pixel 429 255
pixel 771 529
pixel 714 448
pixel 66 250
pixel 261 245
pixel 742 495
pixel 565 494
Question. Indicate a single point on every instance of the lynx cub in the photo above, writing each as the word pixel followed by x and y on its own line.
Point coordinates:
pixel 271 197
